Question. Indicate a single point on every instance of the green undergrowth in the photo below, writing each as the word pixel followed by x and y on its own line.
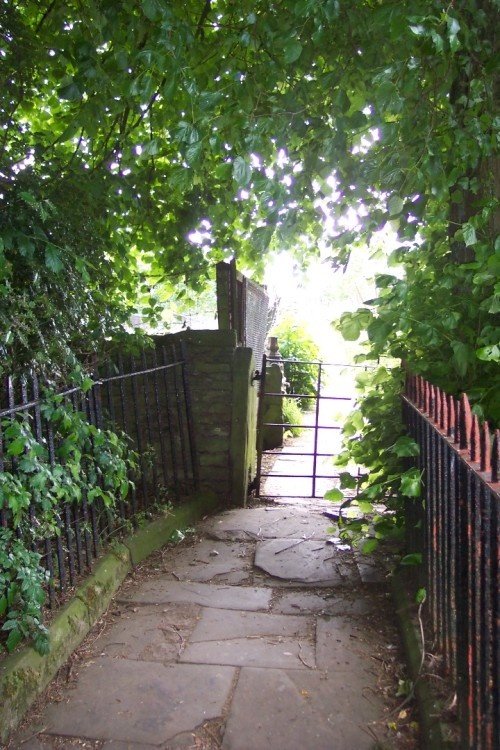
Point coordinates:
pixel 86 464
pixel 292 415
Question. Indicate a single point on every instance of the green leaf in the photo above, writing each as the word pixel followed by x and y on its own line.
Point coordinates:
pixel 242 171
pixel 334 495
pixel 365 506
pixel 350 328
pixel 3 605
pixel 405 446
pixel 151 9
pixel 395 205
pixel 17 446
pixel 411 483
pixel 347 481
pixel 193 152
pixel 453 29
pixel 292 50
pixel 489 353
pixel 461 356
pixel 71 92
pixel 86 384
pixel 469 234
pixel 415 558
pixel 421 596
pixel 368 546
pixel 14 638
pixel 53 259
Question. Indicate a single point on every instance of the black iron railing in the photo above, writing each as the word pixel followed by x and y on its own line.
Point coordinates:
pixel 145 397
pixel 457 528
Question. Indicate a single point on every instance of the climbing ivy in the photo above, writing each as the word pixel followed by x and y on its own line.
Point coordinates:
pixel 88 464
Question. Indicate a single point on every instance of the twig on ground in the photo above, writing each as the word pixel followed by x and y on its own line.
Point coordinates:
pixel 295 544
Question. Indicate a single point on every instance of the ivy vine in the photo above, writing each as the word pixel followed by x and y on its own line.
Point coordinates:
pixel 86 462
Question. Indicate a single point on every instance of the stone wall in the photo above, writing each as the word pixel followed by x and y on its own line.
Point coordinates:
pixel 223 402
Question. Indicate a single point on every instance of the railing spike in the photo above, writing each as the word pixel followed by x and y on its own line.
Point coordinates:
pixel 495 457
pixel 427 396
pixel 444 413
pixel 438 406
pixel 452 418
pixel 465 422
pixel 485 447
pixel 475 439
pixel 418 394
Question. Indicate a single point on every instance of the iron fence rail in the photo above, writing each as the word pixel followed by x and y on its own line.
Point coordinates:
pixel 148 398
pixel 457 528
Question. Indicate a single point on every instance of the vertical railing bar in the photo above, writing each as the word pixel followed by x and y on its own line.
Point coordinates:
pixel 189 416
pixel 180 421
pixel 124 421
pixel 160 422
pixel 145 393
pixel 260 425
pixel 61 561
pixel 38 431
pixel 170 421
pixel 138 434
pixel 316 423
pixel 477 613
pixel 87 522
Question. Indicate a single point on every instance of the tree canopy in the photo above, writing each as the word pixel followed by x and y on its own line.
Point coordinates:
pixel 128 124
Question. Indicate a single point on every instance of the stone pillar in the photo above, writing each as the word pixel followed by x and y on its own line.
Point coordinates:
pixel 273 405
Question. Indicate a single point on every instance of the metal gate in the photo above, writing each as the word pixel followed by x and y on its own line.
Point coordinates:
pixel 303 467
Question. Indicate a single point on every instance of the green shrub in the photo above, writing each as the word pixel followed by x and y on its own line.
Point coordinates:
pixel 22 594
pixel 292 415
pixel 295 342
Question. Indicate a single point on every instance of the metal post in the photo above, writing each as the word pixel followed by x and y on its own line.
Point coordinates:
pixel 316 431
pixel 260 425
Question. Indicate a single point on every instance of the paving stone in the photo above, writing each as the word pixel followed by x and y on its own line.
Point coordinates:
pixel 216 624
pixel 49 742
pixel 304 561
pixel 271 651
pixel 113 745
pixel 306 602
pixel 266 523
pixel 210 559
pixel 343 646
pixel 149 633
pixel 142 702
pixel 371 572
pixel 298 710
pixel 162 591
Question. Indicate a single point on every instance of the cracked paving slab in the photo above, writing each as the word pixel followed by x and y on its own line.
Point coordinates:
pixel 252 638
pixel 142 702
pixel 341 603
pixel 305 561
pixel 161 591
pixel 215 624
pixel 149 633
pixel 297 710
pixel 229 562
pixel 265 523
pixel 279 652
